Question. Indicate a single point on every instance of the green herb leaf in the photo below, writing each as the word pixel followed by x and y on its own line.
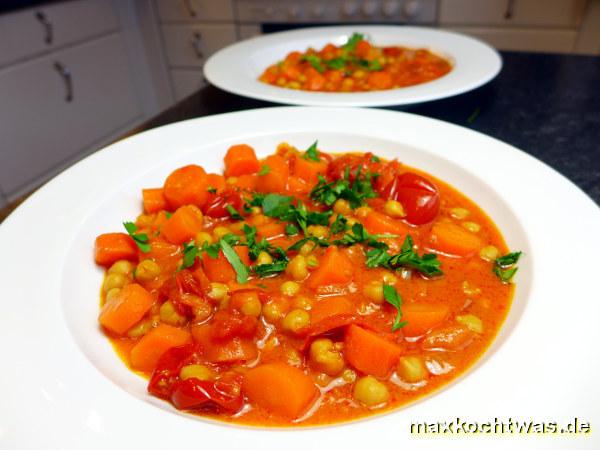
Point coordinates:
pixel 339 225
pixel 353 40
pixel 140 239
pixel 375 158
pixel 311 153
pixel 291 230
pixel 393 298
pixel 356 193
pixel 318 241
pixel 265 270
pixel 314 61
pixel 359 235
pixel 336 63
pixel 377 257
pixel 276 205
pixel 168 215
pixel 212 190
pixel 240 268
pixel 190 252
pixel 504 266
pixel 428 264
pixel 264 170
pixel 234 213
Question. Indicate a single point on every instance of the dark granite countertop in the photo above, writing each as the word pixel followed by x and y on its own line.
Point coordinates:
pixel 545 104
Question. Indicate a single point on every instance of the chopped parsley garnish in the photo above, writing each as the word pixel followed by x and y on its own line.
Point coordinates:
pixel 212 190
pixel 359 235
pixel 311 153
pixel 339 225
pixel 254 247
pixel 336 63
pixel 291 230
pixel 281 207
pixel 353 40
pixel 314 61
pixel 141 239
pixel 240 268
pixel 317 241
pixel 190 252
pixel 264 170
pixel 234 213
pixel 356 193
pixel 393 298
pixel 428 264
pixel 504 266
pixel 266 270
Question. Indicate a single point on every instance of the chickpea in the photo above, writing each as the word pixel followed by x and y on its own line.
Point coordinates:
pixel 459 213
pixel 349 376
pixel 358 74
pixel 264 258
pixel 218 291
pixel 312 262
pixel 297 268
pixel 274 310
pixel 362 212
pixel 412 369
pixel 370 392
pixel 320 231
pixel 110 294
pixel 324 357
pixel 295 320
pixel 251 306
pixel 394 209
pixel 489 253
pixel 389 278
pixel 373 290
pixel 302 302
pixel 144 220
pixel 140 329
pixel 199 371
pixel 255 210
pixel 114 280
pixel 289 288
pixel 472 227
pixel 351 222
pixel 471 321
pixel 281 81
pixel 342 206
pixel 147 270
pixel 219 232
pixel 122 266
pixel 307 248
pixel 293 85
pixel 203 237
pixel 202 311
pixel 170 316
pixel 469 289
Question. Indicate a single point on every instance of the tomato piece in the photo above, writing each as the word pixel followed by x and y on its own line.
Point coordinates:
pixel 366 163
pixel 418 195
pixel 168 367
pixel 217 204
pixel 193 393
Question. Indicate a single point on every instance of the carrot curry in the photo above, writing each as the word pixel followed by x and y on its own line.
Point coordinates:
pixel 356 66
pixel 302 288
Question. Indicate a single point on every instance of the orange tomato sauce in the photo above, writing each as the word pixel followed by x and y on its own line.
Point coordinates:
pixel 227 332
pixel 357 66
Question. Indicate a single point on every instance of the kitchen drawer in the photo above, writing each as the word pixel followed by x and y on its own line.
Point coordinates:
pixel 186 82
pixel 194 10
pixel 191 45
pixel 248 31
pixel 532 40
pixel 23 34
pixel 40 129
pixel 559 13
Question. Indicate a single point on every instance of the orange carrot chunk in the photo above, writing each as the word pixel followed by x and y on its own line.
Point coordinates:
pixel 241 160
pixel 275 180
pixel 422 317
pixel 308 170
pixel 183 225
pixel 329 307
pixel 126 308
pixel 111 247
pixel 154 200
pixel 230 350
pixel 369 352
pixel 186 186
pixel 452 239
pixel 334 268
pixel 146 353
pixel 280 389
pixel 378 223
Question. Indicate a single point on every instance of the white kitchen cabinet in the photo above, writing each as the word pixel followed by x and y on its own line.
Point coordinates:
pixel 555 13
pixel 194 10
pixel 191 45
pixel 186 82
pixel 34 31
pixel 55 106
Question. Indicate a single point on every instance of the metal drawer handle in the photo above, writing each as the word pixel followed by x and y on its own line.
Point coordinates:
pixel 48 28
pixel 510 9
pixel 65 73
pixel 196 42
pixel 190 9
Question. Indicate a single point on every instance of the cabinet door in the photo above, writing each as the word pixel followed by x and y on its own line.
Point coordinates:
pixel 40 129
pixel 194 10
pixel 33 31
pixel 559 13
pixel 190 46
pixel 186 82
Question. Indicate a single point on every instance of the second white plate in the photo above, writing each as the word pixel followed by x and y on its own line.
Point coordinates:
pixel 236 68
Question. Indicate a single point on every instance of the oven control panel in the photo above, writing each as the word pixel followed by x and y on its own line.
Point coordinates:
pixel 331 11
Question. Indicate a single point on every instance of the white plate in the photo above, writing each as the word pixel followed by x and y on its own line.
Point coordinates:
pixel 62 386
pixel 236 68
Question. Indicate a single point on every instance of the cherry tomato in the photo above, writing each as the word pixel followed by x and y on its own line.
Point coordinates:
pixel 217 204
pixel 418 195
pixel 194 393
